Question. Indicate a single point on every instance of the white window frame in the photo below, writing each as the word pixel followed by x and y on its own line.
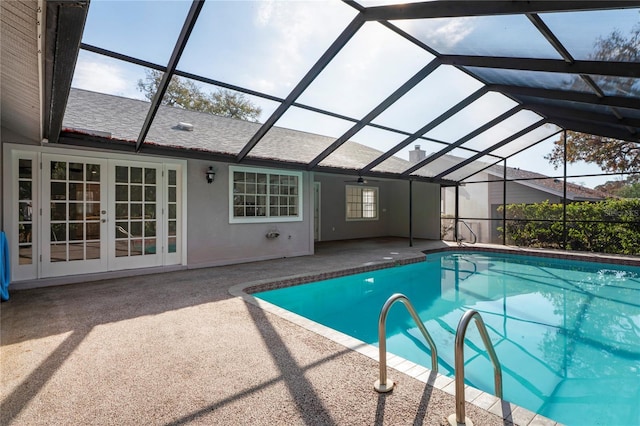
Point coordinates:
pixel 267 218
pixel 361 202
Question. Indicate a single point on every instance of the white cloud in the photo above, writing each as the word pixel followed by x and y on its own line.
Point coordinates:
pixel 298 33
pixel 443 34
pixel 104 77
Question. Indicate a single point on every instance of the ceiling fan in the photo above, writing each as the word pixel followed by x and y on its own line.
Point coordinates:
pixel 360 181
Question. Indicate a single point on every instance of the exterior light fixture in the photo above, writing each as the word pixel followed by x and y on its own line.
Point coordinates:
pixel 211 174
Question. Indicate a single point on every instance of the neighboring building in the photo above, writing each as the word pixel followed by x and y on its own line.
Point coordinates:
pixel 480 198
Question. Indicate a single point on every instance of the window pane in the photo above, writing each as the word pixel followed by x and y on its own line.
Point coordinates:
pixel 136 175
pixel 24 169
pixel 76 171
pixel 58 170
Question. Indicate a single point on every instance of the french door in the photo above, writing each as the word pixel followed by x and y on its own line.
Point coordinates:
pixel 74 213
pixel 101 215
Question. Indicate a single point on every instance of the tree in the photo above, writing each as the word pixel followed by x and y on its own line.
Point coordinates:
pixel 630 191
pixel 186 94
pixel 611 155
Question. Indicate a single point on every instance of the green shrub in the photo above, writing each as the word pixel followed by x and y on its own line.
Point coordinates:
pixel 609 226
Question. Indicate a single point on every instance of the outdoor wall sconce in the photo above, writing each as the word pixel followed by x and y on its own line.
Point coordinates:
pixel 211 174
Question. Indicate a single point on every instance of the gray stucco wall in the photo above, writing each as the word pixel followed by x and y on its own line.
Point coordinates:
pixel 212 240
pixel 393 210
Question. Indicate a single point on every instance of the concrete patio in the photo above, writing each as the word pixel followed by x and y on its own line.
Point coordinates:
pixel 177 348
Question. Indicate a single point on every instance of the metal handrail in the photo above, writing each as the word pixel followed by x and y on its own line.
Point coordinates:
pixel 459 361
pixel 384 385
pixel 475 237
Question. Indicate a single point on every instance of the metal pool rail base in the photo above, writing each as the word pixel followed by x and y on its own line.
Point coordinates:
pixel 459 417
pixel 382 384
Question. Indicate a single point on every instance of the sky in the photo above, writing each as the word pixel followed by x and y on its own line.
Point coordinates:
pixel 269 45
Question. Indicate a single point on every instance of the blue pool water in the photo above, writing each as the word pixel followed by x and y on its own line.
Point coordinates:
pixel 567 333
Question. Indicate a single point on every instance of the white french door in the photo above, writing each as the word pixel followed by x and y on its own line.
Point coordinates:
pixel 135 228
pixel 100 215
pixel 74 213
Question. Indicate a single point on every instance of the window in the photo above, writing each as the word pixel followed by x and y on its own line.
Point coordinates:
pixel 259 195
pixel 362 203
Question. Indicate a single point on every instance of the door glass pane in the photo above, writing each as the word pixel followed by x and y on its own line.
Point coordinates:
pixel 172 207
pixel 76 231
pixel 149 211
pixel 136 219
pixel 93 192
pixel 122 211
pixel 24 190
pixel 136 175
pixel 149 176
pixel 58 170
pixel 25 212
pixel 150 193
pixel 136 193
pixel 122 248
pixel 136 211
pixel 76 171
pixel 150 228
pixel 122 193
pixel 93 173
pixel 58 211
pixel 24 169
pixel 122 174
pixel 76 191
pixel 150 246
pixel 58 252
pixel 75 211
pixel 76 251
pixel 58 191
pixel 93 249
pixel 93 231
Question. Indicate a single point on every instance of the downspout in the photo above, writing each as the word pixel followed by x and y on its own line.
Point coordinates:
pixel 40 25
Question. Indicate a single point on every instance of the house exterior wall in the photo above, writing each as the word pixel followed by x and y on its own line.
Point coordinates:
pixel 393 210
pixel 426 210
pixel 212 240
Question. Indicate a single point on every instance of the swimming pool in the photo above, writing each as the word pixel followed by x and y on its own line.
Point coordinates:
pixel 567 333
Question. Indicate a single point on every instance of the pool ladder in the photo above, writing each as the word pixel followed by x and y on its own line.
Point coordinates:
pixel 460 239
pixel 383 384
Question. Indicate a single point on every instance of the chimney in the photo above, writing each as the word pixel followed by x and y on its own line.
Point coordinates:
pixel 417 155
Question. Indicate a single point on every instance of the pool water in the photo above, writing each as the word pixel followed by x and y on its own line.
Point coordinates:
pixel 567 333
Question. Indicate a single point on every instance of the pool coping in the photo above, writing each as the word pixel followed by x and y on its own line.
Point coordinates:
pixel 486 401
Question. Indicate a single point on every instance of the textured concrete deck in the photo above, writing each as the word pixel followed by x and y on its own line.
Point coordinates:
pixel 177 348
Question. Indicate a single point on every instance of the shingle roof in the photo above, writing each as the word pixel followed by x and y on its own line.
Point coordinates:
pixel 542 182
pixel 101 114
pixel 119 118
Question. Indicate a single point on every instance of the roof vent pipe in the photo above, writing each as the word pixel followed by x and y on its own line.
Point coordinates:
pixel 185 126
